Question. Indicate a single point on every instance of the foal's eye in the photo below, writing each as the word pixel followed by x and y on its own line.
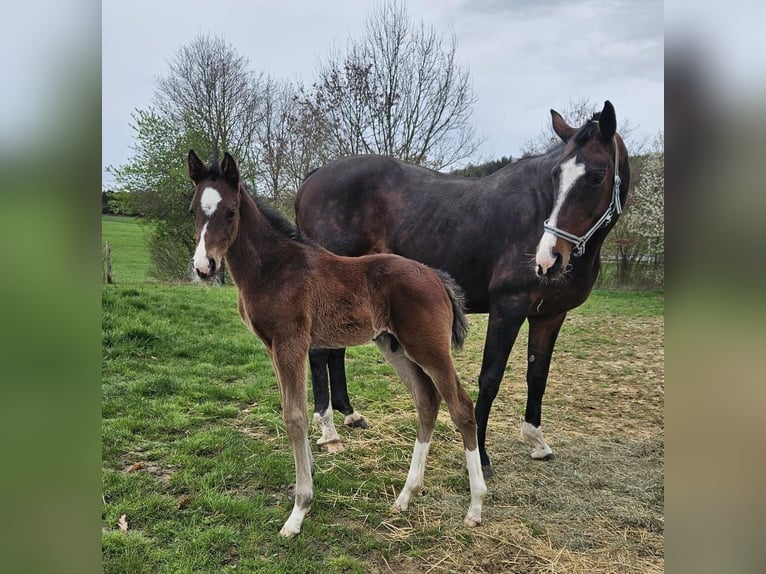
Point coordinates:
pixel 597 177
pixel 231 213
pixel 191 212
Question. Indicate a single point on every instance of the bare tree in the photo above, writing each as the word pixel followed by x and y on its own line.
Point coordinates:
pixel 211 91
pixel 398 91
pixel 287 143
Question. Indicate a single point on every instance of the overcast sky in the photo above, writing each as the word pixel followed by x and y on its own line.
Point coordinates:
pixel 524 56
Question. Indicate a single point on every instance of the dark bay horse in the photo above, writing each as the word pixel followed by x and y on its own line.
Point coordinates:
pixel 523 243
pixel 295 295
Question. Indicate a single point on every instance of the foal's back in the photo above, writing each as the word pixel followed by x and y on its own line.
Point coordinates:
pixel 358 298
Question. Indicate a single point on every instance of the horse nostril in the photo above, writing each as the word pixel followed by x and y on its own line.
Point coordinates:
pixel 211 261
pixel 540 271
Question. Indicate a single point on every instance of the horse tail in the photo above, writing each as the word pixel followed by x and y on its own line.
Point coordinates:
pixel 456 298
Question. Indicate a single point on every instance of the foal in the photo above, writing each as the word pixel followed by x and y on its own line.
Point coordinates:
pixel 295 296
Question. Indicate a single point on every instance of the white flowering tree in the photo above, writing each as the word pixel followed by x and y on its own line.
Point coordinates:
pixel 637 243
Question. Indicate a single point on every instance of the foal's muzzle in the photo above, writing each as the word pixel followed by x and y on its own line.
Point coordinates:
pixel 210 272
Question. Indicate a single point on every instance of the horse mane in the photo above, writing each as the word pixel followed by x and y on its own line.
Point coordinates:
pixel 586 132
pixel 589 130
pixel 279 221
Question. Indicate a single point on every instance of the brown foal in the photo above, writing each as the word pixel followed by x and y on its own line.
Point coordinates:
pixel 295 296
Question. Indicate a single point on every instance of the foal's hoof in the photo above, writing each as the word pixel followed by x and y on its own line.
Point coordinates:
pixel 355 421
pixel 487 471
pixel 471 522
pixel 288 533
pixel 543 456
pixel 332 446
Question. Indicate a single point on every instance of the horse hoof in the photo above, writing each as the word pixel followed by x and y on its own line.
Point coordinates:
pixel 471 522
pixel 332 446
pixel 548 456
pixel 542 456
pixel 355 421
pixel 288 533
pixel 487 471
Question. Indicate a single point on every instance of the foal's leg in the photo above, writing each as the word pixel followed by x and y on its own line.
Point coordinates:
pixel 462 414
pixel 426 401
pixel 543 332
pixel 431 356
pixel 318 361
pixel 289 360
pixel 336 364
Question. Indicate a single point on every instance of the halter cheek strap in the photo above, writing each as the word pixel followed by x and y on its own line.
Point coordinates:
pixel 615 208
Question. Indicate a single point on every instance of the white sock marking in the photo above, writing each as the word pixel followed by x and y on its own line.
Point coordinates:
pixel 478 487
pixel 327 426
pixel 533 436
pixel 415 476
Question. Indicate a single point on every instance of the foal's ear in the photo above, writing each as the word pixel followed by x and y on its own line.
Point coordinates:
pixel 197 169
pixel 229 169
pixel 562 129
pixel 607 122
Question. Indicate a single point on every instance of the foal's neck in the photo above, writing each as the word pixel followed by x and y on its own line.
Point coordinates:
pixel 260 250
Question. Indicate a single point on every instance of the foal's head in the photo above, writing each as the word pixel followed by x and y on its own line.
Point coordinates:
pixel 215 208
pixel 586 189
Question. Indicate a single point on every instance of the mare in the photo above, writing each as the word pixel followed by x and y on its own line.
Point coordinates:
pixel 523 243
pixel 295 295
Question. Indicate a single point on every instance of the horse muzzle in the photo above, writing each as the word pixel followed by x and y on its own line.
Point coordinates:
pixel 206 271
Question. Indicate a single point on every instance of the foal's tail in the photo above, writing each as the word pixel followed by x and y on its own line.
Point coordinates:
pixel 459 321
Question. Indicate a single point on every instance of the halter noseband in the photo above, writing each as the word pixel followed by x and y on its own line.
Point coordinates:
pixel 615 208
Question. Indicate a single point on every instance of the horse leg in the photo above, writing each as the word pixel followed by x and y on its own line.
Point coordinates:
pixel 289 361
pixel 340 401
pixel 318 362
pixel 433 361
pixel 462 414
pixel 426 401
pixel 543 332
pixel 502 330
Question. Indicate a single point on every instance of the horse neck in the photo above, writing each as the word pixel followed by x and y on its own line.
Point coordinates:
pixel 258 246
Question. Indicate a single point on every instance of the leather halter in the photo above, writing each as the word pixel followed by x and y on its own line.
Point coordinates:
pixel 615 208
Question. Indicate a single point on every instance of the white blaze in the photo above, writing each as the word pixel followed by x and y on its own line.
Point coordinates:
pixel 571 171
pixel 201 262
pixel 208 202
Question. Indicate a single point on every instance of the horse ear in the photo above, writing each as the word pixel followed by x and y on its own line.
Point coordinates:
pixel 607 122
pixel 197 169
pixel 562 129
pixel 229 169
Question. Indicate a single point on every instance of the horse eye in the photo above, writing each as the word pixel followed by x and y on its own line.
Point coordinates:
pixel 231 213
pixel 597 177
pixel 191 212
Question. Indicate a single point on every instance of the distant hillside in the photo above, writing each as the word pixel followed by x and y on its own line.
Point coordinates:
pixel 482 169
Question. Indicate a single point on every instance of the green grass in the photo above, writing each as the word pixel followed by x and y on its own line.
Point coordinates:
pixel 127 238
pixel 194 452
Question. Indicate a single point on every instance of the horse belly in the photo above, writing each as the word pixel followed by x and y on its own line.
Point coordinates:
pixel 341 331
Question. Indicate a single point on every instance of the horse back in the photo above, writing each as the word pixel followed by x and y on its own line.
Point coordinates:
pixel 346 205
pixel 375 204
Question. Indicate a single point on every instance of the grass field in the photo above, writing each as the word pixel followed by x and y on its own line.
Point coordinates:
pixel 127 240
pixel 194 453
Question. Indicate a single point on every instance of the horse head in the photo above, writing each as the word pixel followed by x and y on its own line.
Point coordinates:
pixel 590 179
pixel 215 208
